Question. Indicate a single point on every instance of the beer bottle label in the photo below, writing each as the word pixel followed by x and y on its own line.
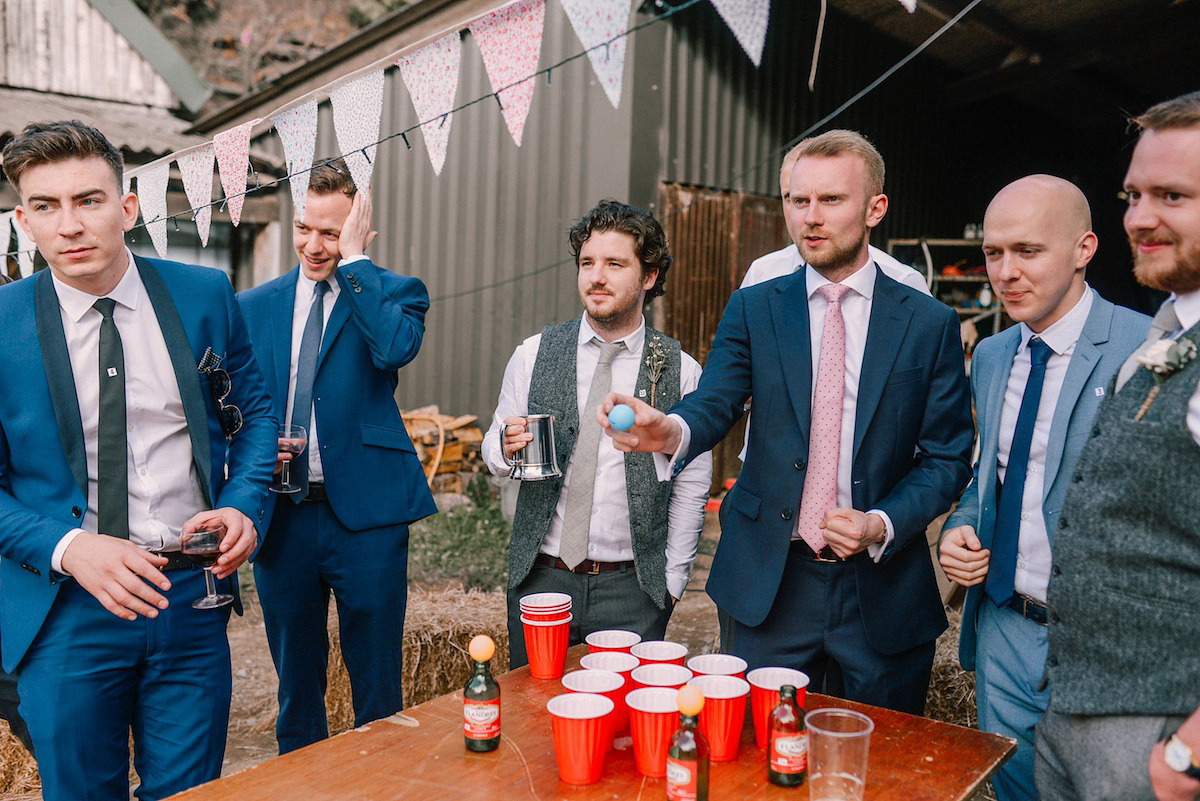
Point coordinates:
pixel 789 753
pixel 481 719
pixel 681 780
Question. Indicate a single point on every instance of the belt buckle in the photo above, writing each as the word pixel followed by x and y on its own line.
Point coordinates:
pixel 595 571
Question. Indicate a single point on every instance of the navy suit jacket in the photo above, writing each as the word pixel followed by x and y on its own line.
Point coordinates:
pixel 912 447
pixel 43 467
pixel 1110 334
pixel 372 474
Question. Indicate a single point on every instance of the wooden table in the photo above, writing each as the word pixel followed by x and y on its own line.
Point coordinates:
pixel 420 755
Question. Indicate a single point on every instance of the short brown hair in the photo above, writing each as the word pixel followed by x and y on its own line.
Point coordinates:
pixel 333 176
pixel 834 143
pixel 649 239
pixel 1179 112
pixel 51 142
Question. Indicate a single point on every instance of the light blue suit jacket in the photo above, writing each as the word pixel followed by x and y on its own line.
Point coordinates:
pixel 43 466
pixel 1109 335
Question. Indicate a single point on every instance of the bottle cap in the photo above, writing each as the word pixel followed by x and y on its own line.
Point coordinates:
pixel 690 700
pixel 482 648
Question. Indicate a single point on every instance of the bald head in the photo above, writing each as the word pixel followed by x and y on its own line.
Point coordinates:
pixel 1037 241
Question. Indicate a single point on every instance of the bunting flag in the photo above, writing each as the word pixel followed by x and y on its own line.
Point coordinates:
pixel 431 75
pixel 197 170
pixel 597 22
pixel 233 159
pixel 25 248
pixel 297 128
pixel 510 41
pixel 911 5
pixel 152 198
pixel 357 107
pixel 748 21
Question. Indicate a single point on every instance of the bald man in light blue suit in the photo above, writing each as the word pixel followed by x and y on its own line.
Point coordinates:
pixel 1037 244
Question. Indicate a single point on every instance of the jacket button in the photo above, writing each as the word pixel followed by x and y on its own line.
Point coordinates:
pixel 76 511
pixel 1078 477
pixel 1052 661
pixel 1062 523
pixel 1096 431
pixel 1056 570
pixel 786 514
pixel 800 464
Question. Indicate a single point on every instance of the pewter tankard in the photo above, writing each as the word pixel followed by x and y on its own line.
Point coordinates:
pixel 537 460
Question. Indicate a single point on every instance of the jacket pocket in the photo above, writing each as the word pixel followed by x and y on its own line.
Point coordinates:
pixel 904 376
pixel 744 502
pixel 386 438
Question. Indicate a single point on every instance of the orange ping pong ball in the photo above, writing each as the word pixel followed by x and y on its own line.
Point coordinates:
pixel 482 648
pixel 690 700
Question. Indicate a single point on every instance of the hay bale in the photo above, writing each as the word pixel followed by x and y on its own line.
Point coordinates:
pixel 18 771
pixel 438 626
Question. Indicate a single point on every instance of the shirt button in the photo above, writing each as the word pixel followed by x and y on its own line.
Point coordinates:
pixel 786 514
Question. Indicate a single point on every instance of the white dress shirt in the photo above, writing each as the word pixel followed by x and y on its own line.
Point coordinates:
pixel 610 538
pixel 1033 544
pixel 1187 309
pixel 164 486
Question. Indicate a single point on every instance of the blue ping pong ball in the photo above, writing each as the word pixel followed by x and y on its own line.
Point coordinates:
pixel 621 417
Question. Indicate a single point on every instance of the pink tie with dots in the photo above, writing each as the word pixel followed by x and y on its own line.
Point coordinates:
pixel 825 432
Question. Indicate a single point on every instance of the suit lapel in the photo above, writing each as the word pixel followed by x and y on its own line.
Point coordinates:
pixel 57 363
pixel 282 308
pixel 890 316
pixel 183 362
pixel 989 406
pixel 1079 372
pixel 789 313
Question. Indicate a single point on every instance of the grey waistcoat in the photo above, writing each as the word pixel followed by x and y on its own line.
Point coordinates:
pixel 552 391
pixel 1124 592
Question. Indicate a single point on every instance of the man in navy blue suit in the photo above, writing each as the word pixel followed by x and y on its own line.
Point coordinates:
pixel 862 436
pixel 114 440
pixel 331 335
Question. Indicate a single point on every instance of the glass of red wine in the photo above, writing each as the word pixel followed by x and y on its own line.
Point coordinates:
pixel 203 545
pixel 293 440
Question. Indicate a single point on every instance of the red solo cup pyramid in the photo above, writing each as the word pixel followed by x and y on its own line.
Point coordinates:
pixel 611 640
pixel 723 714
pixel 546 646
pixel 618 662
pixel 660 651
pixel 717 665
pixel 653 718
pixel 660 674
pixel 611 686
pixel 578 725
pixel 764 695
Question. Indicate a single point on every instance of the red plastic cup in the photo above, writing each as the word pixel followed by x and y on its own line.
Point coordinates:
pixel 764 695
pixel 660 674
pixel 723 714
pixel 544 600
pixel 618 662
pixel 577 722
pixel 546 646
pixel 611 640
pixel 660 651
pixel 653 718
pixel 611 686
pixel 717 665
pixel 547 617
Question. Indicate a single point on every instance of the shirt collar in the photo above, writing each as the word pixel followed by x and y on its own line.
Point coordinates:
pixel 1064 333
pixel 1187 308
pixel 76 302
pixel 309 286
pixel 861 281
pixel 633 340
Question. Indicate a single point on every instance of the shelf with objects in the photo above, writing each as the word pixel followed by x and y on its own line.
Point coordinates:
pixel 956 275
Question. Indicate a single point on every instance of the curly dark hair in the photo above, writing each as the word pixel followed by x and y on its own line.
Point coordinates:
pixel 649 239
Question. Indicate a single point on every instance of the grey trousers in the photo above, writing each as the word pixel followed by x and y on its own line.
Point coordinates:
pixel 1097 757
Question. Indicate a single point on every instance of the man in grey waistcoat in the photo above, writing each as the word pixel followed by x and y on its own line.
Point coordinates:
pixel 606 532
pixel 1123 663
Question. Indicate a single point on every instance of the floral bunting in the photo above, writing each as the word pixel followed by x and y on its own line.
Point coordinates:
pixel 297 128
pixel 597 22
pixel 233 159
pixel 431 75
pixel 197 171
pixel 911 5
pixel 510 41
pixel 357 106
pixel 152 198
pixel 25 250
pixel 748 21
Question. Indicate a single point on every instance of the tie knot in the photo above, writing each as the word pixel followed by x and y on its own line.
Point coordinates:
pixel 609 351
pixel 105 306
pixel 1039 352
pixel 833 293
pixel 321 288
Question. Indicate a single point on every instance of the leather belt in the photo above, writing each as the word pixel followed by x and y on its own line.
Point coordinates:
pixel 316 493
pixel 175 561
pixel 805 550
pixel 1028 608
pixel 586 566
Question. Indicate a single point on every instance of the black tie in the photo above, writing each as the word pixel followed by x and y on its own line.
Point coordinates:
pixel 112 460
pixel 306 374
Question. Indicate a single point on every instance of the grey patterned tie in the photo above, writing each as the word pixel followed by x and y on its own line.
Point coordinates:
pixel 577 520
pixel 1164 324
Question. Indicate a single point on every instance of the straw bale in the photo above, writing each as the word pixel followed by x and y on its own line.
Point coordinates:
pixel 18 771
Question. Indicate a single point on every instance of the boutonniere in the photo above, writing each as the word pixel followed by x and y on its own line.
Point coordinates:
pixel 656 360
pixel 1163 359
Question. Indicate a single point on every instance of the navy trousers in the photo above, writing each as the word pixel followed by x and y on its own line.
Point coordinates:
pixel 90 677
pixel 307 555
pixel 816 622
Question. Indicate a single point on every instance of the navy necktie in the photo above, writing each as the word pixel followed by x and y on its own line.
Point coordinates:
pixel 112 447
pixel 1002 567
pixel 306 373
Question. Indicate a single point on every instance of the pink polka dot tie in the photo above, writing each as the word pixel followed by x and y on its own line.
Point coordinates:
pixel 825 431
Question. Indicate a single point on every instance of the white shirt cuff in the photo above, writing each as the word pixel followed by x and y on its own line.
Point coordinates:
pixel 876 551
pixel 676 584
pixel 61 548
pixel 352 259
pixel 664 466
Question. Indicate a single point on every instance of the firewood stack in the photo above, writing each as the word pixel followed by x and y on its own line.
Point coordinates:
pixel 448 447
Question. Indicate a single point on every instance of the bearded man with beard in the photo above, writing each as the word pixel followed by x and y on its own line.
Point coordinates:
pixel 1123 664
pixel 862 436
